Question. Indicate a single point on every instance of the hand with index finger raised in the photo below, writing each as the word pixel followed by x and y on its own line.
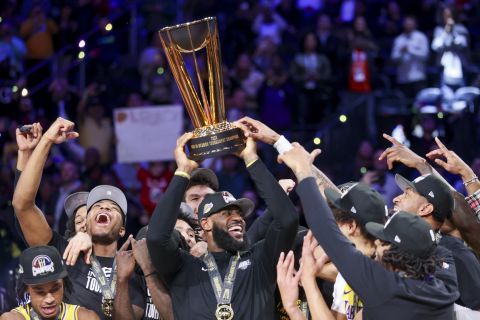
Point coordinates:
pixel 400 153
pixel 453 164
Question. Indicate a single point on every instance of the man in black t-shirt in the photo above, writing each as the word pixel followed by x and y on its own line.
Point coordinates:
pixel 106 217
pixel 251 294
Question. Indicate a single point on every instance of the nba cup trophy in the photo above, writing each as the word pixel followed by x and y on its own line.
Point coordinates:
pixel 213 135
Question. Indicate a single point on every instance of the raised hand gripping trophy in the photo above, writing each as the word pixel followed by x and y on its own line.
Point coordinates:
pixel 213 135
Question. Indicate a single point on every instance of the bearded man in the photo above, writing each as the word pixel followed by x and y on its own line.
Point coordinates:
pixel 233 279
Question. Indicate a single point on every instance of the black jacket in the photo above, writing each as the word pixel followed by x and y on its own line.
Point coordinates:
pixel 187 276
pixel 385 294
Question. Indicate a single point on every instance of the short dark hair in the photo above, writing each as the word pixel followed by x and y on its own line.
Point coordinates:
pixel 70 226
pixel 342 216
pixel 413 266
pixel 201 181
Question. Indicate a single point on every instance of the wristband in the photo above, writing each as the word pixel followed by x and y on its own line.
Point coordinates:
pixel 282 145
pixel 466 183
pixel 251 162
pixel 182 174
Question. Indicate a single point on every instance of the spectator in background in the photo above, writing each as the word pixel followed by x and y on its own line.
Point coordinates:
pixel 69 183
pixel 450 42
pixel 249 78
pixel 381 179
pixel 13 49
pixel 363 50
pixel 390 20
pixel 237 105
pixel 156 82
pixel 410 54
pixel 363 159
pixel 154 182
pixel 232 177
pixel 38 31
pixel 276 97
pixel 68 26
pixel 106 50
pixel 327 42
pixel 95 125
pixel 288 11
pixel 311 73
pixel 268 23
pixel 264 53
pixel 92 172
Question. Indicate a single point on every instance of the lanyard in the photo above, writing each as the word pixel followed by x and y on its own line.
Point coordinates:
pixel 108 287
pixel 223 289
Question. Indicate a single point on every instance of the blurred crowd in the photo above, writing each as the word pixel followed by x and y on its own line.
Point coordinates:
pixel 289 63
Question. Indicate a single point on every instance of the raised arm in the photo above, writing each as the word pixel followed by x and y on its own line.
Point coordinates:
pixel 163 249
pixel 364 275
pixel 259 228
pixel 26 143
pixel 31 219
pixel 158 291
pixel 282 231
pixel 260 131
pixel 308 270
pixel 123 307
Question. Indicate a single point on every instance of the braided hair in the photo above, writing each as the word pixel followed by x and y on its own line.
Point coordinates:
pixel 414 267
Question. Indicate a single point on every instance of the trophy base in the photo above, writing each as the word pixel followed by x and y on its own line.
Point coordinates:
pixel 216 144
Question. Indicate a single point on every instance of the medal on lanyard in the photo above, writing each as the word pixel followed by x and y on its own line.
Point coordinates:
pixel 108 286
pixel 223 289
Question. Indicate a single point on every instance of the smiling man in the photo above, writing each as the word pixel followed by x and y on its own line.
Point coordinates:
pixel 232 280
pixel 44 277
pixel 106 217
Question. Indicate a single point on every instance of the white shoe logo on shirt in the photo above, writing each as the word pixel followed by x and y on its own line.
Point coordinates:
pixel 204 269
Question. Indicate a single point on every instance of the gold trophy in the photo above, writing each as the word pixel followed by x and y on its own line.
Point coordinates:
pixel 213 135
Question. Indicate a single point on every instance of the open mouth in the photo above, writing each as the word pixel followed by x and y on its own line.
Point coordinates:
pixel 49 310
pixel 236 231
pixel 102 218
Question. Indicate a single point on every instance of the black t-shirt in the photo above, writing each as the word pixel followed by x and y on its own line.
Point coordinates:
pixel 468 271
pixel 86 289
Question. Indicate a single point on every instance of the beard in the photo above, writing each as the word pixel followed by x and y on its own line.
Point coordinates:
pixel 228 243
pixel 105 238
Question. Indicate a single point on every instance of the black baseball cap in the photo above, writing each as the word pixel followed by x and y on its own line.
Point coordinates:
pixel 107 192
pixel 41 264
pixel 75 201
pixel 203 176
pixel 362 201
pixel 434 190
pixel 407 231
pixel 215 202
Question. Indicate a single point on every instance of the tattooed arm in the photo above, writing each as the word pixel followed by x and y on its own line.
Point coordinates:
pixel 323 182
